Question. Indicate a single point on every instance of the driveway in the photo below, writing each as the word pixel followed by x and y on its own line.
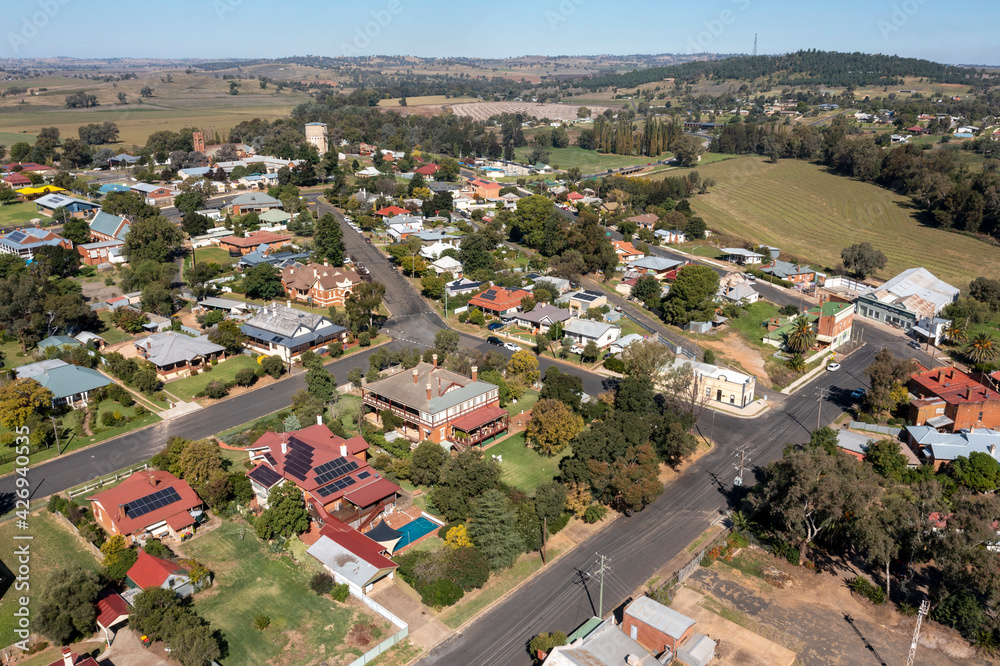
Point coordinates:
pixel 425 629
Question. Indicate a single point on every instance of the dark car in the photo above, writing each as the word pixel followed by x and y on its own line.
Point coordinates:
pixel 495 326
pixel 494 340
pixel 914 344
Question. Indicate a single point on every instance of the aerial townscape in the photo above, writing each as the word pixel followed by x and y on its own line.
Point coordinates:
pixel 421 350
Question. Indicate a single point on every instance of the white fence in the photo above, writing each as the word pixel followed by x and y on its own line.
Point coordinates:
pixel 403 632
pixel 74 492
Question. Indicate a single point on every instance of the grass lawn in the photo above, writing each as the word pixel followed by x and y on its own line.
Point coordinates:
pixel 13 356
pixel 629 327
pixel 589 161
pixel 186 388
pixel 749 325
pixel 52 547
pixel 19 214
pixel 112 335
pixel 10 138
pixel 214 255
pixel 812 214
pixel 524 468
pixel 305 628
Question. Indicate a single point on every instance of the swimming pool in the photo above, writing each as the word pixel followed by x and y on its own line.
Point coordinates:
pixel 414 530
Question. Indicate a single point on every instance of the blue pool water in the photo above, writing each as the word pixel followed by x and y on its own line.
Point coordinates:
pixel 413 531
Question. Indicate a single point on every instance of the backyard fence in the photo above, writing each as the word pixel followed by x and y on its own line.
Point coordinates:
pixel 75 492
pixel 882 430
pixel 403 632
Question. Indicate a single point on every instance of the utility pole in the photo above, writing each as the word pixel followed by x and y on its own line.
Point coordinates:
pixel 55 429
pixel 600 602
pixel 819 407
pixel 545 531
pixel 745 456
pixel 924 606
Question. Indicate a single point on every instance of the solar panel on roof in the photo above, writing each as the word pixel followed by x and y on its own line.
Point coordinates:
pixel 265 476
pixel 488 295
pixel 364 475
pixel 339 484
pixel 334 469
pixel 151 502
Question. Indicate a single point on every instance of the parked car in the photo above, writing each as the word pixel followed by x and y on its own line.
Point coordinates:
pixel 496 325
pixel 914 344
pixel 833 367
pixel 576 349
pixel 857 393
pixel 510 346
pixel 494 340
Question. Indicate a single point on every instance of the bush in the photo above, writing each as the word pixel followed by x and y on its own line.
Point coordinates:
pixel 117 393
pixel 595 513
pixel 463 317
pixel 246 377
pixel 57 504
pixel 615 364
pixel 340 592
pixel 559 523
pixel 861 586
pixel 467 567
pixel 261 621
pixel 441 593
pixel 962 611
pixel 140 411
pixel 157 548
pixel 321 583
pixel 364 339
pixel 543 643
pixel 443 532
pixel 216 390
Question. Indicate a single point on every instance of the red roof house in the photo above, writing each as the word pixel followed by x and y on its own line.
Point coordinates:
pixel 351 557
pixel 916 129
pixel 149 571
pixel 16 180
pixel 70 658
pixel 485 189
pixel 498 301
pixel 245 245
pixel 150 503
pixel 427 169
pixel 390 211
pixel 112 609
pixel 329 470
pixel 574 196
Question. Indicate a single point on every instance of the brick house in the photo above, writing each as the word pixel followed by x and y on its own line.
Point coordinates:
pixel 102 252
pixel 485 189
pixel 25 242
pixel 179 355
pixel 150 503
pixel 321 285
pixel 626 251
pixel 656 627
pixel 158 195
pixel 498 301
pixel 437 404
pixel 239 246
pixel 150 571
pixel 644 221
pixel 254 202
pixel 950 400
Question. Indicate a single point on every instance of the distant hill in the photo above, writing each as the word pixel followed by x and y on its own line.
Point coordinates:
pixel 829 68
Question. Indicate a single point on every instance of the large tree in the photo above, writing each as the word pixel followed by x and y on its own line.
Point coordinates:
pixel 493 530
pixel 691 296
pixel 553 426
pixel 801 338
pixel 863 260
pixel 154 238
pixel 426 462
pixel 66 605
pixel 77 230
pixel 886 374
pixel 262 281
pixel 809 491
pixel 20 399
pixel 328 240
pixel 285 515
pixel 464 478
pixel 630 482
pixel 476 253
pixel 363 302
pixel 983 349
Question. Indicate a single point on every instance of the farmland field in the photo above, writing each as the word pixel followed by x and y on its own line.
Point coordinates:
pixel 425 100
pixel 588 161
pixel 484 110
pixel 812 214
pixel 10 138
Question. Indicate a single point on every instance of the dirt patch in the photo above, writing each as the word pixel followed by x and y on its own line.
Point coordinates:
pixel 736 349
pixel 819 616
pixel 668 474
pixel 485 110
pixel 97 292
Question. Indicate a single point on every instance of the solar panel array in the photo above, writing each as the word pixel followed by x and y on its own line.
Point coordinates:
pixel 157 500
pixel 488 295
pixel 334 469
pixel 298 460
pixel 340 484
pixel 265 476
pixel 364 475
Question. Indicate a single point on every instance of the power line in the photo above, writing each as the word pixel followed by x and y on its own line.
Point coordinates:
pixel 605 567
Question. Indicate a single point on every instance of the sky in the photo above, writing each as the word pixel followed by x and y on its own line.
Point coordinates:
pixel 943 31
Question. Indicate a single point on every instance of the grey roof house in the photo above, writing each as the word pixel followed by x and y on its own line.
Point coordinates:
pixel 542 316
pixel 906 298
pixel 70 384
pixel 586 330
pixel 287 332
pixel 177 354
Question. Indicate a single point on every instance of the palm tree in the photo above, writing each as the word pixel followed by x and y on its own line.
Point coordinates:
pixel 955 333
pixel 983 348
pixel 801 337
pixel 796 363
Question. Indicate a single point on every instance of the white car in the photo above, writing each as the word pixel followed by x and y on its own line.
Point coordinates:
pixel 833 367
pixel 576 349
pixel 511 346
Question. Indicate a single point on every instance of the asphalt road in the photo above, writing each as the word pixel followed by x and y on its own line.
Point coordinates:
pixel 565 594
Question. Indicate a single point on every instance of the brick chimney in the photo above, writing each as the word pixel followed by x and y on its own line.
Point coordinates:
pixel 475 373
pixel 429 391
pixel 416 375
pixel 968 393
pixel 67 657
pixel 121 512
pixel 940 376
pixel 435 359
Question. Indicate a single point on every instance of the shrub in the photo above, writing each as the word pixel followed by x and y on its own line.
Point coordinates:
pixel 468 567
pixel 216 390
pixel 443 532
pixel 463 317
pixel 615 364
pixel 441 593
pixel 57 504
pixel 157 548
pixel 543 643
pixel 246 377
pixel 595 513
pixel 863 587
pixel 559 523
pixel 962 611
pixel 340 592
pixel 261 621
pixel 321 583
pixel 364 339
